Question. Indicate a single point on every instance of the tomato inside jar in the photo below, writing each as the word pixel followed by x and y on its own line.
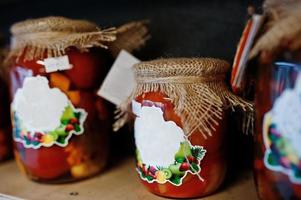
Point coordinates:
pixel 60 124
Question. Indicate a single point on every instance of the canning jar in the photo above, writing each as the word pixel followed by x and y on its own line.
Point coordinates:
pixel 180 107
pixel 278 131
pixel 277 54
pixel 60 125
pixel 5 126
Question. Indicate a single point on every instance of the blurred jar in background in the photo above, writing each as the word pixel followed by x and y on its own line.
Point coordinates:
pixel 5 125
pixel 277 161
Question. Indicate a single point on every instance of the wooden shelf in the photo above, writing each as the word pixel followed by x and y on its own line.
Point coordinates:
pixel 119 182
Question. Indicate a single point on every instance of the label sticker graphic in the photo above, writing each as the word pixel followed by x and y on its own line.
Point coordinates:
pixel 43 116
pixel 282 134
pixel 163 154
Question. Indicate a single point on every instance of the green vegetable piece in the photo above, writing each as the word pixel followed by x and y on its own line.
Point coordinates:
pixel 167 173
pixel 175 169
pixel 61 131
pixel 54 135
pixel 180 159
pixel 64 122
pixel 183 152
pixel 68 114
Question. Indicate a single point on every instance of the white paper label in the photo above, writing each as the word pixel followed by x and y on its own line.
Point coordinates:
pixel 39 106
pixel 282 134
pixel 44 116
pixel 287 113
pixel 120 81
pixel 57 64
pixel 156 139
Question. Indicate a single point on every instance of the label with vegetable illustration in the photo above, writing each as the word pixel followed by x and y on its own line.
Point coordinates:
pixel 44 116
pixel 163 154
pixel 282 134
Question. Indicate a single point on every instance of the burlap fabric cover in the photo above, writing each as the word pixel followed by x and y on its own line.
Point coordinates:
pixel 195 86
pixel 282 30
pixel 51 36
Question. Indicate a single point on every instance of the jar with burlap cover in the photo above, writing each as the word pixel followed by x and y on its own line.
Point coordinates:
pixel 78 138
pixel 196 87
pixel 51 36
pixel 282 29
pixel 277 101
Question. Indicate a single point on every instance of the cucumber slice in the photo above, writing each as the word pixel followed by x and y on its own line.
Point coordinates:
pixel 61 131
pixel 167 173
pixel 175 169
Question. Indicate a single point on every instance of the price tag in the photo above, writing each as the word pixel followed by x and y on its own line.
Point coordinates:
pixel 57 64
pixel 120 81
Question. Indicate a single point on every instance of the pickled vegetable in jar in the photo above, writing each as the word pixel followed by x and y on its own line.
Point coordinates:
pixel 60 125
pixel 180 108
pixel 5 126
pixel 277 156
pixel 277 164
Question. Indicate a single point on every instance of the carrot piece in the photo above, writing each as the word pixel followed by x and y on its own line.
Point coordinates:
pixel 60 81
pixel 74 97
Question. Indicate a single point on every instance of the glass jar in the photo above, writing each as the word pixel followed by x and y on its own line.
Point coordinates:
pixel 60 125
pixel 199 164
pixel 277 161
pixel 5 126
pixel 178 104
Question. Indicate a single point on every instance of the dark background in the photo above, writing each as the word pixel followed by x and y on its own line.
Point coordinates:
pixel 178 28
pixel 189 28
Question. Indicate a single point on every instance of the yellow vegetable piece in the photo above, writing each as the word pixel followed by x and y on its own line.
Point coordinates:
pixel 160 177
pixel 47 139
pixel 293 158
pixel 84 169
pixel 74 97
pixel 60 81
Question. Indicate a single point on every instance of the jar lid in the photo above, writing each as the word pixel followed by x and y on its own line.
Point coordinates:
pixel 282 29
pixel 53 24
pixel 195 86
pixel 181 67
pixel 51 36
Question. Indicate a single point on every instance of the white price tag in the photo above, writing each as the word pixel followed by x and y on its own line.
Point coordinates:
pixel 57 64
pixel 120 81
